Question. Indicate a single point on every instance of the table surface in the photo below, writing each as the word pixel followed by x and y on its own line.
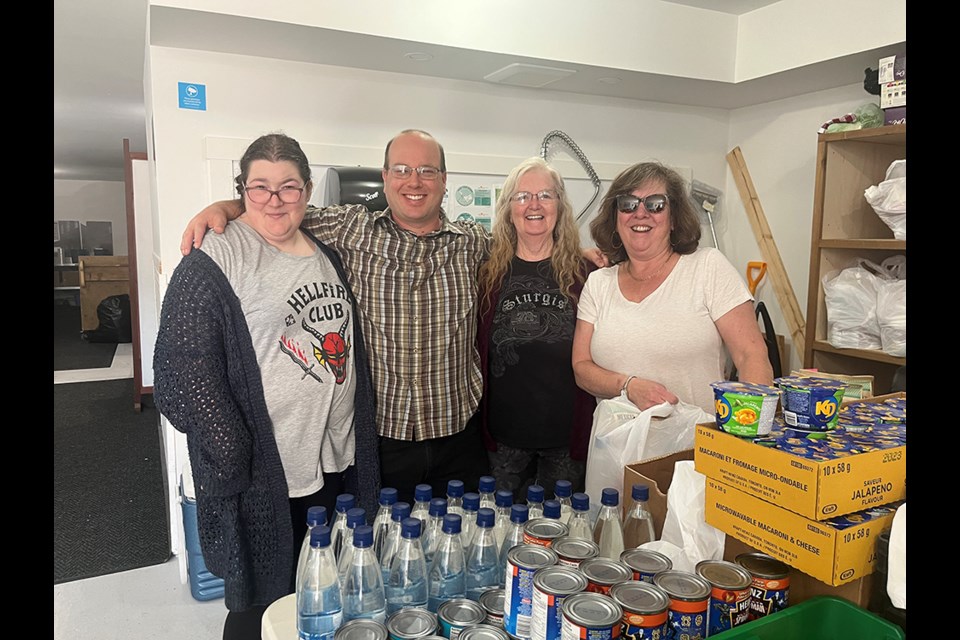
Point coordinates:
pixel 279 621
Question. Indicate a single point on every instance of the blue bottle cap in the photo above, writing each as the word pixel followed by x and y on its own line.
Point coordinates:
pixel 388 495
pixel 410 528
pixel 345 501
pixel 486 517
pixel 640 492
pixel 471 501
pixel 610 497
pixel 580 502
pixel 519 513
pixel 487 484
pixel 320 536
pixel 438 507
pixel 316 515
pixel 363 536
pixel 399 511
pixel 503 498
pixel 534 493
pixel 423 493
pixel 451 523
pixel 563 489
pixel 356 516
pixel 455 488
pixel 551 509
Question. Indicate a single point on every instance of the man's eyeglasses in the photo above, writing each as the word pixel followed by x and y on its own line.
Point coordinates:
pixel 402 172
pixel 525 197
pixel 654 203
pixel 262 195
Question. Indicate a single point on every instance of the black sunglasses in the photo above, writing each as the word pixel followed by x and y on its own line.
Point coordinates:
pixel 654 203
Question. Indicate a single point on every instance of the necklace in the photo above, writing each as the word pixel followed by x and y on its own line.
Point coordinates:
pixel 652 275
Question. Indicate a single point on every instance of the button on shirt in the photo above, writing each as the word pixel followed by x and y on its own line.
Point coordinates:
pixel 418 304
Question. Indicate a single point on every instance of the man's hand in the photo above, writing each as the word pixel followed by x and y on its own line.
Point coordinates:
pixel 594 255
pixel 214 216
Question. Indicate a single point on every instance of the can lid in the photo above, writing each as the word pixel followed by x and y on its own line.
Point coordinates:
pixel 640 597
pixel 588 609
pixel 723 574
pixel 646 561
pixel 545 528
pixel 605 570
pixel 681 585
pixel 412 623
pixel 575 548
pixel 361 629
pixel 763 565
pixel 461 611
pixel 532 556
pixel 559 580
pixel 484 632
pixel 492 600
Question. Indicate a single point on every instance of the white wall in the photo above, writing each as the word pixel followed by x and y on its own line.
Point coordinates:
pixel 93 201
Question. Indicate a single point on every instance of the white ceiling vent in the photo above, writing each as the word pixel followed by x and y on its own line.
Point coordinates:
pixel 528 75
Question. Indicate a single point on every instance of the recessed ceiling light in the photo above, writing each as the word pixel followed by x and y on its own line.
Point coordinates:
pixel 609 80
pixel 419 56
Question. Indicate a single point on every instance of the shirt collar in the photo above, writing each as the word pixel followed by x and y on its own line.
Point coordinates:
pixel 445 225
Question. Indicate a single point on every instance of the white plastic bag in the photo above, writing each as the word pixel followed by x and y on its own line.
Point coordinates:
pixel 889 198
pixel 850 297
pixel 892 307
pixel 685 525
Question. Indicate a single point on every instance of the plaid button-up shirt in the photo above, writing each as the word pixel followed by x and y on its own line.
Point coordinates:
pixel 417 297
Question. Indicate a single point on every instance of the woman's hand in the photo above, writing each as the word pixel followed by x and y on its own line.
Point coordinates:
pixel 647 393
pixel 597 257
pixel 214 216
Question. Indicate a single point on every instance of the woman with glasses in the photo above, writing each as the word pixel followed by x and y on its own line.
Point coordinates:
pixel 260 362
pixel 535 420
pixel 659 322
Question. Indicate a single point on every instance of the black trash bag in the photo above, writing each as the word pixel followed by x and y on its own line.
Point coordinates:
pixel 113 314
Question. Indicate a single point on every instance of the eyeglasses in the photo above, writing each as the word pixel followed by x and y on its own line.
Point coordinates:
pixel 525 197
pixel 262 195
pixel 654 203
pixel 402 172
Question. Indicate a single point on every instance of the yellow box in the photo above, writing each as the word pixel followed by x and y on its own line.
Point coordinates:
pixel 835 552
pixel 816 489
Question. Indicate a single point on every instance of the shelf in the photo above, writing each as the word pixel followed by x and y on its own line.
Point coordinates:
pixel 883 244
pixel 863 354
pixel 889 134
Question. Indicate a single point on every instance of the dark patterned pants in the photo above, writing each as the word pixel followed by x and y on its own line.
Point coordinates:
pixel 517 469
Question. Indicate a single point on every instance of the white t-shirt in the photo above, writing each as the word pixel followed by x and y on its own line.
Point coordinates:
pixel 670 336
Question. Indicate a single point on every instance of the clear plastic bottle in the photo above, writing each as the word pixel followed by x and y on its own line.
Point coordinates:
pixel 638 526
pixel 579 524
pixel 363 593
pixel 398 512
pixel 407 584
pixel 316 516
pixel 319 605
pixel 355 517
pixel 535 501
pixel 504 500
pixel 338 524
pixel 381 522
pixel 562 491
pixel 446 577
pixel 483 555
pixel 519 514
pixel 471 504
pixel 608 529
pixel 455 497
pixel 552 509
pixel 487 485
pixel 422 494
pixel 431 528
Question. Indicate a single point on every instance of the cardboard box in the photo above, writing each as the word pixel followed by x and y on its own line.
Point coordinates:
pixel 816 489
pixel 828 551
pixel 656 474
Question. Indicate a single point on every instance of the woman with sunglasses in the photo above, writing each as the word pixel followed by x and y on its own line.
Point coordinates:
pixel 535 420
pixel 260 362
pixel 659 323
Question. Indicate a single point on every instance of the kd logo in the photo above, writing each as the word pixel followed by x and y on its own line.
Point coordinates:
pixel 826 407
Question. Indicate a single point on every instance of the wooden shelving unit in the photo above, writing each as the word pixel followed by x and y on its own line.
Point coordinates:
pixel 846 227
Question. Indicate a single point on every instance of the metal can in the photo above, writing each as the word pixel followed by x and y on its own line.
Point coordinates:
pixel 492 602
pixel 484 632
pixel 590 616
pixel 523 561
pixel 770 589
pixel 645 563
pixel 457 614
pixel 689 598
pixel 543 531
pixel 603 573
pixel 361 629
pixel 572 551
pixel 645 607
pixel 551 586
pixel 729 594
pixel 411 624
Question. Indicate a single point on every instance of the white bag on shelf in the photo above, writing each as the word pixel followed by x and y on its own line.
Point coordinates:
pixel 889 198
pixel 850 297
pixel 892 307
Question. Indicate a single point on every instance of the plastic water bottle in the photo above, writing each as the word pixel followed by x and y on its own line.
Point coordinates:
pixel 562 491
pixel 504 499
pixel 488 484
pixel 388 496
pixel 455 497
pixel 638 526
pixel 608 530
pixel 319 607
pixel 407 584
pixel 363 594
pixel 398 512
pixel 422 494
pixel 355 517
pixel 483 555
pixel 446 577
pixel 519 514
pixel 471 504
pixel 579 524
pixel 535 501
pixel 338 524
pixel 431 528
pixel 316 516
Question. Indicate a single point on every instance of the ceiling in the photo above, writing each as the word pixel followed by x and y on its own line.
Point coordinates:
pixel 99 52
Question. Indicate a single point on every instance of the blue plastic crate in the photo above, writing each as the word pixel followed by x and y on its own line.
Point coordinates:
pixel 203 584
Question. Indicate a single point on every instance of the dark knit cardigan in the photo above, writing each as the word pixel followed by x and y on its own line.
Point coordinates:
pixel 208 385
pixel 584 404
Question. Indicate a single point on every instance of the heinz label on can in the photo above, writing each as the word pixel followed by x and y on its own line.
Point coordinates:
pixel 729 594
pixel 771 583
pixel 689 600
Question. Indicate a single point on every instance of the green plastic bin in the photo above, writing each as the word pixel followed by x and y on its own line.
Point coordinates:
pixel 823 618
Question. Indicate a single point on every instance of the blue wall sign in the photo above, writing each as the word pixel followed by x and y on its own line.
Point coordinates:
pixel 192 96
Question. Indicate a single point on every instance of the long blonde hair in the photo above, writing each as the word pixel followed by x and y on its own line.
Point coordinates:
pixel 566 257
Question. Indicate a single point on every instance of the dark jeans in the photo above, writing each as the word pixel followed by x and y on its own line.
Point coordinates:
pixel 405 463
pixel 517 469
